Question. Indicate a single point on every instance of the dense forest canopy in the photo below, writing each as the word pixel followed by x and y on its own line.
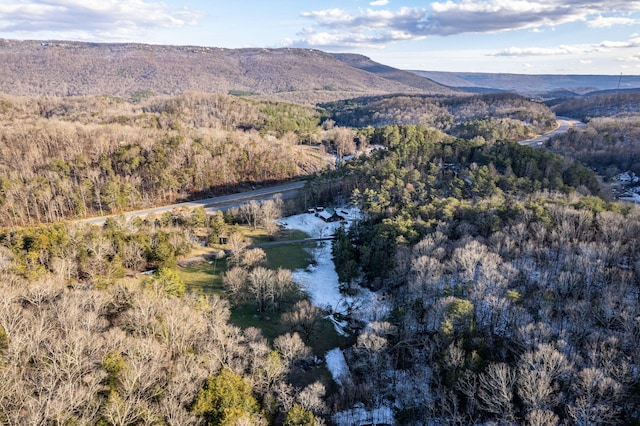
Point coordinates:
pixel 77 157
pixel 610 143
pixel 511 289
pixel 611 104
pixel 84 156
pixel 509 301
pixel 492 116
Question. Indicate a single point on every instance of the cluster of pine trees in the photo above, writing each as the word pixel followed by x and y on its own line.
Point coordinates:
pixel 514 298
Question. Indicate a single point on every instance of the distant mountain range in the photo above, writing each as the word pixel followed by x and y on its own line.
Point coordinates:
pixel 307 76
pixel 60 68
pixel 549 85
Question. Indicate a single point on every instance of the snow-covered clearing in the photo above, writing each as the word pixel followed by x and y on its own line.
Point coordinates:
pixel 631 197
pixel 359 416
pixel 320 281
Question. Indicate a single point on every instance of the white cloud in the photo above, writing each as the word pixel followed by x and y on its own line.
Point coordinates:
pixel 603 47
pixel 541 51
pixel 632 58
pixel 370 29
pixel 602 22
pixel 449 17
pixel 330 17
pixel 631 43
pixel 475 16
pixel 91 19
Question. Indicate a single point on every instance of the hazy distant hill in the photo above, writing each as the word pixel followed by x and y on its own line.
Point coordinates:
pixel 527 84
pixel 425 85
pixel 58 68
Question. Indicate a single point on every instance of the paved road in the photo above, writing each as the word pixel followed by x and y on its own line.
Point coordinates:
pixel 564 124
pixel 290 190
pixel 225 202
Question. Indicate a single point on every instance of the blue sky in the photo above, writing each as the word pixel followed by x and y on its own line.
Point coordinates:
pixel 513 36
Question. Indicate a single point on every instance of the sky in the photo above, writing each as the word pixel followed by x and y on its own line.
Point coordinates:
pixel 505 36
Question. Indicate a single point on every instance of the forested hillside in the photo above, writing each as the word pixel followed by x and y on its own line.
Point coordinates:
pixel 610 143
pixel 511 296
pixel 493 117
pixel 614 103
pixel 85 156
pixel 514 299
pixel 76 157
pixel 65 68
pixel 508 289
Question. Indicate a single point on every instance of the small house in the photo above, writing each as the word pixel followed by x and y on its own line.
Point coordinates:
pixel 330 215
pixel 624 177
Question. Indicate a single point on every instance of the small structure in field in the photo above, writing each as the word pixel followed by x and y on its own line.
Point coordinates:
pixel 329 215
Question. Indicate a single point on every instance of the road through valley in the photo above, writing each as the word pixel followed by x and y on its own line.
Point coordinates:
pixel 291 189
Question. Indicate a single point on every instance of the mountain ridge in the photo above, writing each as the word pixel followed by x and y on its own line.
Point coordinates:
pixel 305 76
pixel 67 68
pixel 532 84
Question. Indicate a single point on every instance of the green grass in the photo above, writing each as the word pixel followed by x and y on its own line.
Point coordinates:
pixel 260 236
pixel 205 278
pixel 289 256
pixel 326 337
pixel 322 340
pixel 246 316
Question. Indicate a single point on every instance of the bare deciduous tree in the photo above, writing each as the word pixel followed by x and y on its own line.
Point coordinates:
pixel 291 347
pixel 236 244
pixel 304 317
pixel 597 398
pixel 495 390
pixel 311 398
pixel 235 283
pixel 253 257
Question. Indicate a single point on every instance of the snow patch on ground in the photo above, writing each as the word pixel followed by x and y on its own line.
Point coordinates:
pixel 313 225
pixel 337 365
pixel 359 416
pixel 631 197
pixel 320 281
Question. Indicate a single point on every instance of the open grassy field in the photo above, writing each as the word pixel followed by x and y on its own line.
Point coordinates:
pixel 206 278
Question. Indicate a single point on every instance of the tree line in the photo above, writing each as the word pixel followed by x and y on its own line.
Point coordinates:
pixel 83 340
pixel 504 117
pixel 512 287
pixel 608 144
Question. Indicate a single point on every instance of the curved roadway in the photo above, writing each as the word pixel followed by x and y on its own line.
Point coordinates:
pixel 564 124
